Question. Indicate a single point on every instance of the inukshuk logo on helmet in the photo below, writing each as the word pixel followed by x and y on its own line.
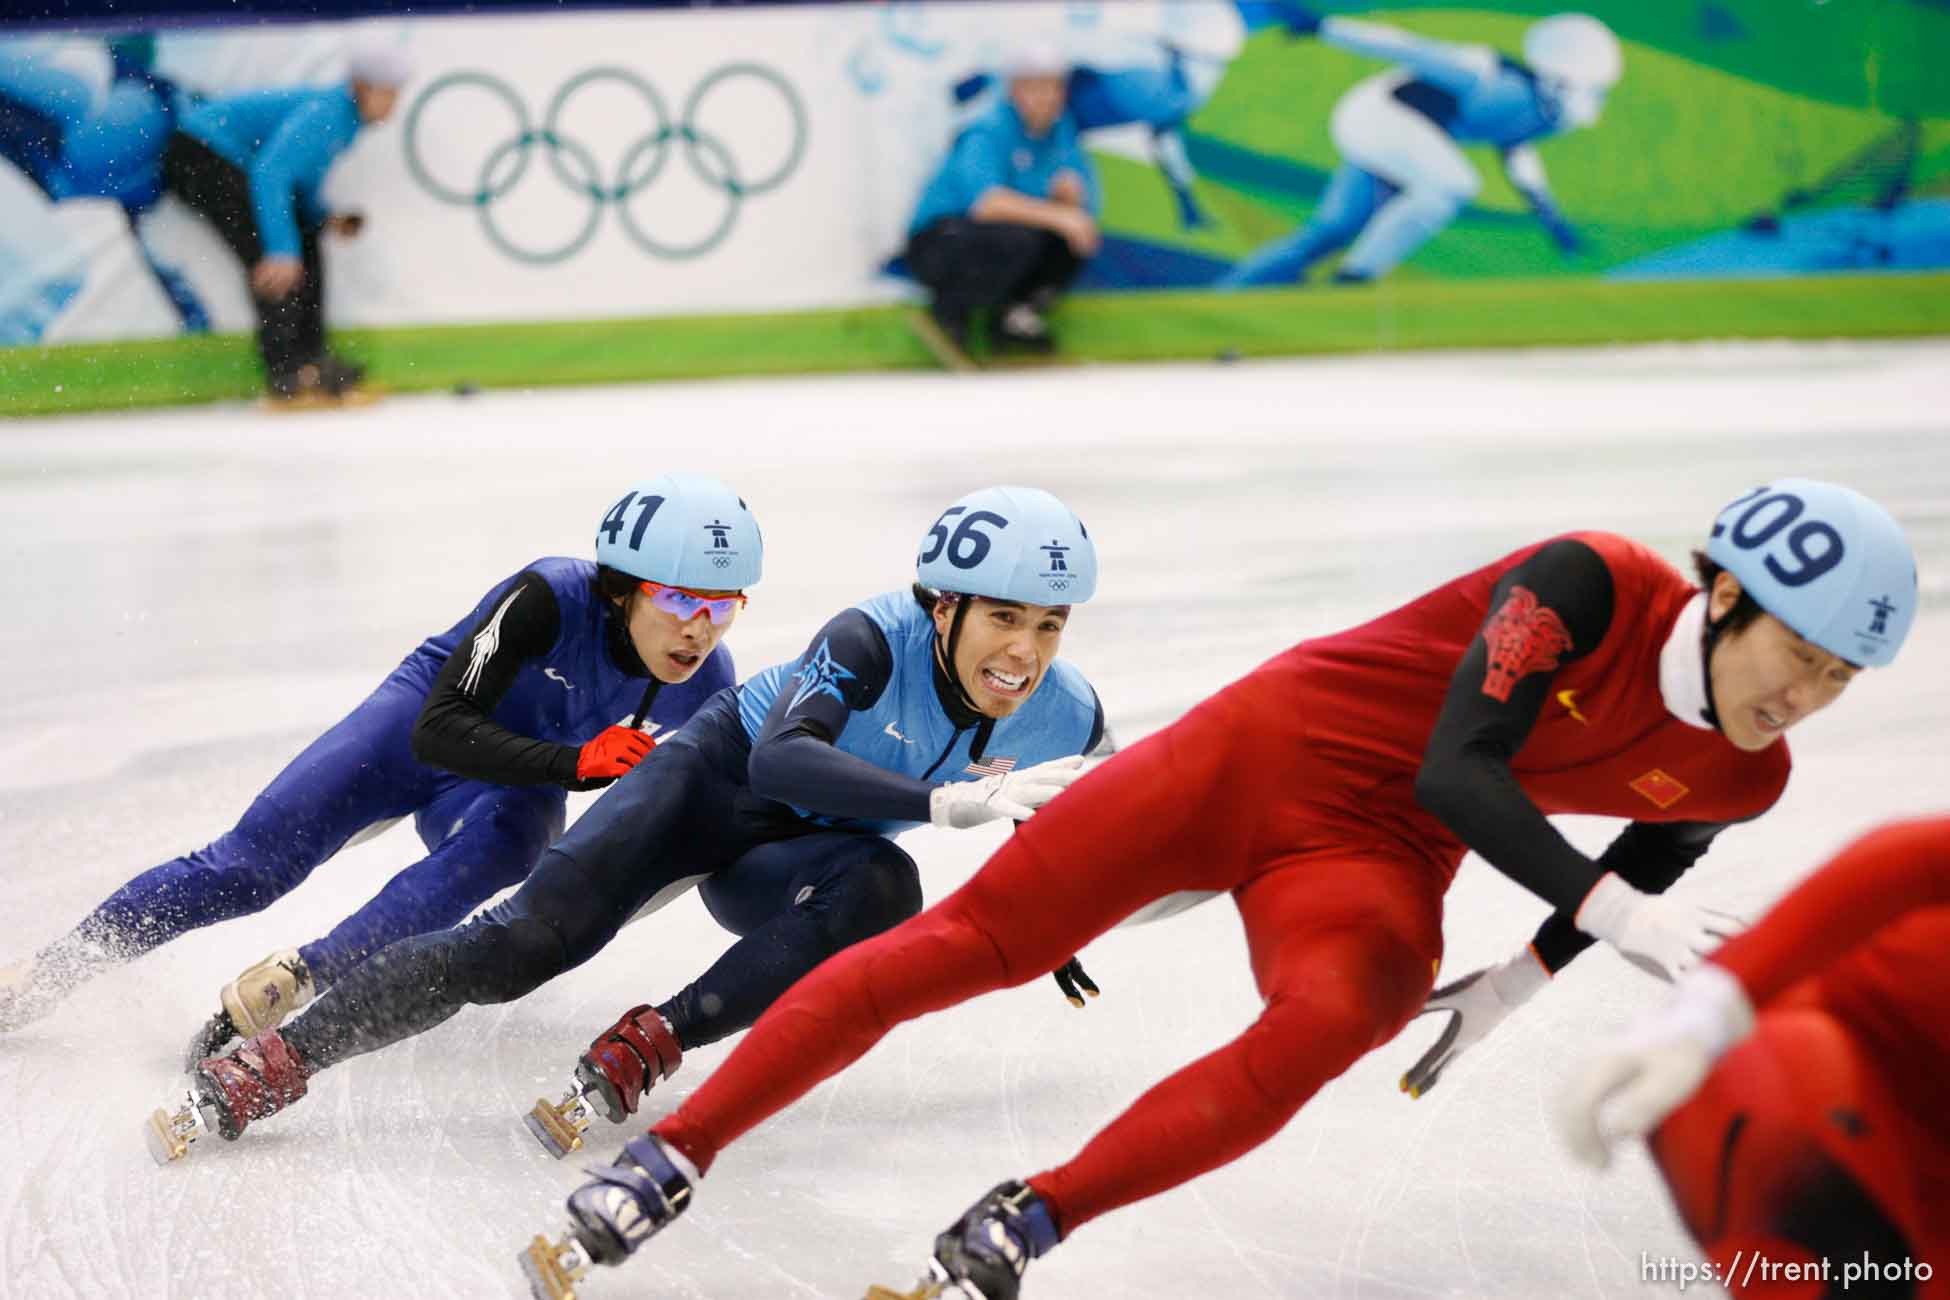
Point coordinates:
pixel 1057 574
pixel 720 549
pixel 1881 607
pixel 1524 637
pixel 574 171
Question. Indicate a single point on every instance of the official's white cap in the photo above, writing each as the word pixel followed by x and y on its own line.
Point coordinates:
pixel 1038 59
pixel 378 65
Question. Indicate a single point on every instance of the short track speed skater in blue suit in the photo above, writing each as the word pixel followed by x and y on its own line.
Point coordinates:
pixel 559 679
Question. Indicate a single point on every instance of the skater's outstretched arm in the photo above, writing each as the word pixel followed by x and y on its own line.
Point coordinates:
pixel 292 166
pixel 1648 856
pixel 1525 170
pixel 1547 612
pixel 1452 67
pixel 456 730
pixel 1550 610
pixel 794 760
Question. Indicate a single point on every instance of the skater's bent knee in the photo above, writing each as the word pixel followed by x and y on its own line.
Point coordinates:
pixel 501 962
pixel 874 895
pixel 1332 1011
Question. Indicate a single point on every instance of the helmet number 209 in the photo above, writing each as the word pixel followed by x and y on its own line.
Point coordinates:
pixel 618 517
pixel 1813 547
pixel 968 546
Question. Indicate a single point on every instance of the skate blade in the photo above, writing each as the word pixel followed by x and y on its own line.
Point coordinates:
pixel 168 1134
pixel 559 1126
pixel 935 1284
pixel 554 1268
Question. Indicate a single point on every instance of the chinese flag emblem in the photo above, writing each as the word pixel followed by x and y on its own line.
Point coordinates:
pixel 1662 788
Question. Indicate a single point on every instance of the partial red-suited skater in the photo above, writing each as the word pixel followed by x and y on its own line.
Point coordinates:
pixel 1795 1087
pixel 1333 792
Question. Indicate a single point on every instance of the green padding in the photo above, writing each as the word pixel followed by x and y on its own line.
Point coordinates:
pixel 1108 327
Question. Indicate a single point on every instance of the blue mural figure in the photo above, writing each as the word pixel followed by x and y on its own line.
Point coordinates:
pixel 73 142
pixel 1404 177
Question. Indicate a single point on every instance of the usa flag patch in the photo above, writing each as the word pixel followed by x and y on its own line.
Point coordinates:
pixel 991 767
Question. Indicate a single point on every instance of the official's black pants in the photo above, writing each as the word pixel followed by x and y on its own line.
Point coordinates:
pixel 291 329
pixel 974 264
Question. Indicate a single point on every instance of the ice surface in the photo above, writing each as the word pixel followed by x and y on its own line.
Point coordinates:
pixel 191 595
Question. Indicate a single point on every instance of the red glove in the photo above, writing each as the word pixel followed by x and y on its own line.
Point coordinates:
pixel 614 751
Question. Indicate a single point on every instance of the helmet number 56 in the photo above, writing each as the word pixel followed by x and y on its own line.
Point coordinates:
pixel 968 546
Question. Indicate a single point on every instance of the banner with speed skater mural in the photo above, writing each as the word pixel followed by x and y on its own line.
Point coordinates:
pixel 599 164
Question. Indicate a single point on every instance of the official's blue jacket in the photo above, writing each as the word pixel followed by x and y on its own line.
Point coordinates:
pixel 284 141
pixel 997 149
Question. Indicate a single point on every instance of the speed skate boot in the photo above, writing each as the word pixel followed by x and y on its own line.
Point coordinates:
pixel 226 1093
pixel 259 999
pixel 622 1064
pixel 983 1254
pixel 628 1203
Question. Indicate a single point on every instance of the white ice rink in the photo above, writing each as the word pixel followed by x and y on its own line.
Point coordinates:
pixel 191 596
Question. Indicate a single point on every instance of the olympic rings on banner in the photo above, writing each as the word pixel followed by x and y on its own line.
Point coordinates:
pixel 577 170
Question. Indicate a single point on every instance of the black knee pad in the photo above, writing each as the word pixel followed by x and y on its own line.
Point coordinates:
pixel 501 962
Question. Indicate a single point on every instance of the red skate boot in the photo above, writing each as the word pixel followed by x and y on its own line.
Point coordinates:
pixel 620 1066
pixel 226 1093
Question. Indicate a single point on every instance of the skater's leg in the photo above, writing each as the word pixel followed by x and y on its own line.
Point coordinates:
pixel 1423 163
pixel 483 838
pixel 359 772
pixel 662 822
pixel 1074 870
pixel 796 903
pixel 1351 198
pixel 1404 224
pixel 1344 946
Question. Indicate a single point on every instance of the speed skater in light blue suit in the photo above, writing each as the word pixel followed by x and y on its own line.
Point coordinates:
pixel 556 680
pixel 945 704
pixel 1404 176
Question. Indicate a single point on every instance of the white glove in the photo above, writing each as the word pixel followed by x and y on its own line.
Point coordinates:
pixel 1475 1004
pixel 1642 1077
pixel 1661 935
pixel 961 804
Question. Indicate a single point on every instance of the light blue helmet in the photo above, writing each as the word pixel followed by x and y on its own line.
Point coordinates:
pixel 683 530
pixel 1010 543
pixel 1825 560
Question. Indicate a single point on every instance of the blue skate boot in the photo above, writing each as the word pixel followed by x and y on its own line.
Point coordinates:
pixel 982 1256
pixel 629 1202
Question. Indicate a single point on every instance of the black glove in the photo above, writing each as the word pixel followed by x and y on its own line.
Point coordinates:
pixel 1070 977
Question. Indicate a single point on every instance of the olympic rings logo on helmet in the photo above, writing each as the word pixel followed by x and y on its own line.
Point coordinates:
pixel 575 167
